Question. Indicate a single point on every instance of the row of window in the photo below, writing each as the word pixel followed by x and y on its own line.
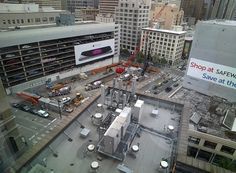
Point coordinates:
pixel 22 21
pixel 133 5
pixel 212 145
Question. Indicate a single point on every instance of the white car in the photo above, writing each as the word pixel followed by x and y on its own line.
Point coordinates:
pixel 65 100
pixel 43 113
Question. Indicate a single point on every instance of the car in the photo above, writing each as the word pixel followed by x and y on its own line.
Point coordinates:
pixel 175 85
pixel 15 105
pixel 10 55
pixel 168 89
pixel 174 80
pixel 26 47
pixel 159 84
pixel 154 87
pixel 42 113
pixel 68 109
pixel 34 111
pixel 65 100
pixel 165 81
pixel 25 108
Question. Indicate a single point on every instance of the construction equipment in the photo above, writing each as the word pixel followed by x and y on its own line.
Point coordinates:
pixel 77 100
pixel 32 98
pixel 92 86
pixel 157 16
pixel 57 92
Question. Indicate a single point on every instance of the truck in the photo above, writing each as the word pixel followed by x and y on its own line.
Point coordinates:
pixel 62 91
pixel 93 85
pixel 77 100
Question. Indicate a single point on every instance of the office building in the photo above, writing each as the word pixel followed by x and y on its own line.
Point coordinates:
pixel 108 6
pixel 29 57
pixel 109 18
pixel 166 15
pixel 17 15
pixel 85 14
pixel 132 15
pixel 167 44
pixel 12 142
pixel 194 10
pixel 212 64
pixel 224 9
pixel 56 4
pixel 81 4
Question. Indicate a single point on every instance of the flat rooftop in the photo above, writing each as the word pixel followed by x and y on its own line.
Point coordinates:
pixel 165 31
pixel 155 142
pixel 205 119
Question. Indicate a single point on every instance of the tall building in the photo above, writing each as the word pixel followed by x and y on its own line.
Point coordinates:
pixel 108 6
pixel 212 64
pixel 10 137
pixel 224 9
pixel 194 10
pixel 81 4
pixel 28 57
pixel 166 15
pixel 85 14
pixel 132 15
pixel 57 4
pixel 167 44
pixel 17 15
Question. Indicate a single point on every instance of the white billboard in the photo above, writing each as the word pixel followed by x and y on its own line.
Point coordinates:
pixel 211 72
pixel 93 51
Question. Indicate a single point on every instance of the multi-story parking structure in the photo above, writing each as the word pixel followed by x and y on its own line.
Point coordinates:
pixel 31 56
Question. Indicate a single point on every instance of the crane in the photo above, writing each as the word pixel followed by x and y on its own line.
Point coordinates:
pixel 156 18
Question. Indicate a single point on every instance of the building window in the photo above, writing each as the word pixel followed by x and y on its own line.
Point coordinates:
pixel 221 161
pixel 13 21
pixel 37 19
pixel 28 20
pixel 209 144
pixel 227 150
pixel 9 21
pixel 22 20
pixel 4 22
pixel 51 19
pixel 18 21
pixel 45 19
pixel 204 155
pixel 193 140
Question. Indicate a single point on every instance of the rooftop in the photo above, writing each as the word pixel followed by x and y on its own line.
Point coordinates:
pixel 23 36
pixel 165 31
pixel 208 115
pixel 220 22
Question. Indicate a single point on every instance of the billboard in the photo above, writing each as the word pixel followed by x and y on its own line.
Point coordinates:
pixel 211 72
pixel 93 51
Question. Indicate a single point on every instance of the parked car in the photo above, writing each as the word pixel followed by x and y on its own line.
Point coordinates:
pixel 15 105
pixel 175 85
pixel 24 108
pixel 34 111
pixel 168 89
pixel 26 47
pixel 65 100
pixel 69 109
pixel 42 113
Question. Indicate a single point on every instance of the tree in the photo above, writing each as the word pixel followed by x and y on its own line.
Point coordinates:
pixel 156 59
pixel 139 57
pixel 163 61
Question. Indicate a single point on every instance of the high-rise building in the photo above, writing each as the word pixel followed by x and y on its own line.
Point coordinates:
pixel 194 10
pixel 108 6
pixel 166 15
pixel 167 44
pixel 57 4
pixel 212 64
pixel 81 4
pixel 17 15
pixel 83 14
pixel 132 15
pixel 224 9
pixel 12 142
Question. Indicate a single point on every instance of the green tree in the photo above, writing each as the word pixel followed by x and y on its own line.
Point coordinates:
pixel 156 59
pixel 139 57
pixel 163 61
